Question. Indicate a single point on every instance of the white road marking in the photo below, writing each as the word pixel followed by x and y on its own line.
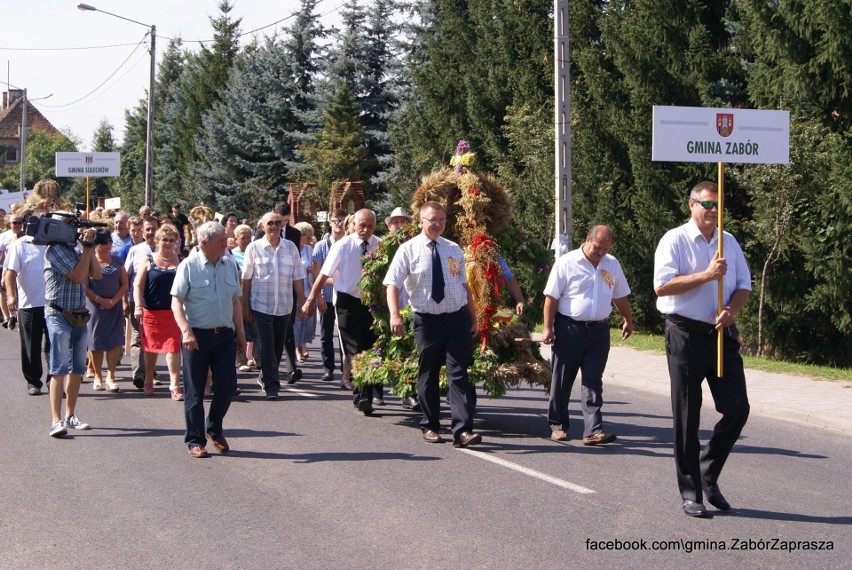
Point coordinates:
pixel 301 392
pixel 531 472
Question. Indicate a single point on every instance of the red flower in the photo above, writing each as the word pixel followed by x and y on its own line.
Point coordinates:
pixel 474 191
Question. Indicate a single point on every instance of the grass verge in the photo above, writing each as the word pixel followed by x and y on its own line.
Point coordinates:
pixel 656 343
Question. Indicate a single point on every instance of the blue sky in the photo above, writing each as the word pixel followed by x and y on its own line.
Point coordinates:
pixel 41 41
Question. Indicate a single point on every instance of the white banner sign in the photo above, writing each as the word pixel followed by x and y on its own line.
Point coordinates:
pixel 704 134
pixel 91 164
pixel 112 203
pixel 9 198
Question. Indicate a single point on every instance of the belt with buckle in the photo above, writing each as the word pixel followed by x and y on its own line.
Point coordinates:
pixel 586 324
pixel 215 330
pixel 692 325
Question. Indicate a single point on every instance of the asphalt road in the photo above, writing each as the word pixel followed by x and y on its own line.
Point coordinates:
pixel 310 483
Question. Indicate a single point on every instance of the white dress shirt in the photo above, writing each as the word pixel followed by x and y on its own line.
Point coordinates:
pixel 343 263
pixel 685 251
pixel 585 292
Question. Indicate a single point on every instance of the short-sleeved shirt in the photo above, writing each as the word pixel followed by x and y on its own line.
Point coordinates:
pixel 207 290
pixel 585 292
pixel 411 270
pixel 343 263
pixel 118 242
pixel 272 271
pixel 27 260
pixel 504 269
pixel 59 260
pixel 685 251
pixel 319 256
pixel 137 254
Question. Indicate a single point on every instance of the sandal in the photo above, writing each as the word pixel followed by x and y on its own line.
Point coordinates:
pixel 148 389
pixel 177 395
pixel 98 386
pixel 112 387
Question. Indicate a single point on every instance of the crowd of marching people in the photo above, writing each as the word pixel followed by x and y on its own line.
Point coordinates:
pixel 222 295
pixel 123 282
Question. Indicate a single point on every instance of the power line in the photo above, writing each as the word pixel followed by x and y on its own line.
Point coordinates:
pixel 111 75
pixel 64 48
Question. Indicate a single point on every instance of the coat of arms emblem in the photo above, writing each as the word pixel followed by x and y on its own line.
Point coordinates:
pixel 724 123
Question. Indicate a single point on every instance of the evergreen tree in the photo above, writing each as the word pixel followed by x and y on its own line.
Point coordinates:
pixel 338 153
pixel 627 57
pixel 131 184
pixel 346 55
pixel 169 169
pixel 102 141
pixel 207 77
pixel 797 54
pixel 248 142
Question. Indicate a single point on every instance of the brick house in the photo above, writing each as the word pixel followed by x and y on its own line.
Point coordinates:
pixel 305 201
pixel 10 125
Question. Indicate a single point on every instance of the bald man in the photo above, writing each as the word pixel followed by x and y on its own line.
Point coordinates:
pixel 582 287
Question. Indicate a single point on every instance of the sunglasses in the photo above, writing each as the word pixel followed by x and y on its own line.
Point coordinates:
pixel 16 223
pixel 707 204
pixel 274 223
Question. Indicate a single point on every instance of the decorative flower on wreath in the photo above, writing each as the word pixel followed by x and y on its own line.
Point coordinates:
pixel 478 208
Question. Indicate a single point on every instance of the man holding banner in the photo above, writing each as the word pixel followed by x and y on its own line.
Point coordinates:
pixel 687 271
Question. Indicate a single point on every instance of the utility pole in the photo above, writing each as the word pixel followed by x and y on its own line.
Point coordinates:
pixel 23 184
pixel 564 217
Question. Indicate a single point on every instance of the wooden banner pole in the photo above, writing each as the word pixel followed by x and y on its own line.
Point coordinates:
pixel 721 251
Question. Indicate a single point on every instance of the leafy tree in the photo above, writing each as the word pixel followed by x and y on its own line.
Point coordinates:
pixel 40 160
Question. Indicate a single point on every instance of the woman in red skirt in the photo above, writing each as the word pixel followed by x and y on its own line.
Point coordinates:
pixel 159 331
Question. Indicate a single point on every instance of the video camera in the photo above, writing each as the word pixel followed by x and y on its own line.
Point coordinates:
pixel 64 228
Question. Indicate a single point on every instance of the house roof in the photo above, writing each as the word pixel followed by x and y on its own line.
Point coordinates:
pixel 10 121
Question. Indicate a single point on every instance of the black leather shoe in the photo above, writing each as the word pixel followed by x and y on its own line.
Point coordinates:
pixel 432 436
pixel 694 509
pixel 365 407
pixel 327 376
pixel 467 438
pixel 295 376
pixel 411 403
pixel 715 497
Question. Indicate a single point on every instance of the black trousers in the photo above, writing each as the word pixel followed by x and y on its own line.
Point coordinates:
pixel 327 330
pixel 354 321
pixel 691 354
pixel 290 338
pixel 33 331
pixel 444 339
pixel 578 348
pixel 271 332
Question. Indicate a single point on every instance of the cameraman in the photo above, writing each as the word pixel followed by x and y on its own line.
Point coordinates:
pixel 66 272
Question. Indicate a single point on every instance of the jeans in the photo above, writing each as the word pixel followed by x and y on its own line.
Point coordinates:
pixel 68 346
pixel 216 352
